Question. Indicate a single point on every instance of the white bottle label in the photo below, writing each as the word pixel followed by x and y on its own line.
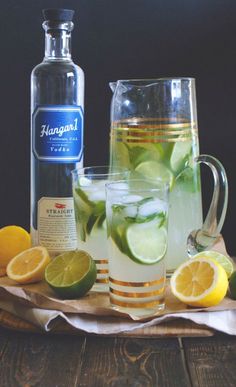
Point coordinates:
pixel 56 224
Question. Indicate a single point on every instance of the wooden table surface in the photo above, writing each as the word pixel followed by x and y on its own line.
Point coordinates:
pixel 30 359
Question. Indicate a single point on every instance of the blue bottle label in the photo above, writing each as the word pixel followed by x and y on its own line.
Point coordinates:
pixel 57 133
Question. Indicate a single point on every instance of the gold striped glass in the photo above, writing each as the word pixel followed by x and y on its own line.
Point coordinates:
pixel 137 215
pixel 89 203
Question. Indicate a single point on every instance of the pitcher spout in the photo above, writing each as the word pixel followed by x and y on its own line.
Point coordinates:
pixel 112 86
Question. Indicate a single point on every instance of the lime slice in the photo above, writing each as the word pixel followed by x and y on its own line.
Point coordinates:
pixel 180 152
pixel 138 154
pixel 146 242
pixel 88 213
pixel 153 170
pixel 83 210
pixel 71 274
pixel 223 260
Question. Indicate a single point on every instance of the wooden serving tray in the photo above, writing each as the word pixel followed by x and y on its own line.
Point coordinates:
pixel 178 327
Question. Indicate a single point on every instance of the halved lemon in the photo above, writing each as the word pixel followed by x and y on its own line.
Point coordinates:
pixel 200 282
pixel 29 266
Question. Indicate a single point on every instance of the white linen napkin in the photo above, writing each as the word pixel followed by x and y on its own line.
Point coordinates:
pixel 223 321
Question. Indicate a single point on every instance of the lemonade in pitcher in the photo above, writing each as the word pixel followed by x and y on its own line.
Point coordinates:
pixel 148 152
pixel 154 133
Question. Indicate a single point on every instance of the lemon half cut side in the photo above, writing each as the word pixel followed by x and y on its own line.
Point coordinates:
pixel 28 266
pixel 200 282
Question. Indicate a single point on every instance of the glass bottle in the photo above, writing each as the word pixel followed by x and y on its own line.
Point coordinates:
pixel 57 106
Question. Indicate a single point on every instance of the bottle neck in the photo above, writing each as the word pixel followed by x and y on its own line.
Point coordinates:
pixel 57 40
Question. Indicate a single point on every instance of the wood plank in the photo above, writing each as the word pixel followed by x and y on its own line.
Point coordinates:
pixel 40 360
pixel 211 361
pixel 133 362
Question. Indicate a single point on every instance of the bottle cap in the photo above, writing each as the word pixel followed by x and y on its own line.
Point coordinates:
pixel 58 14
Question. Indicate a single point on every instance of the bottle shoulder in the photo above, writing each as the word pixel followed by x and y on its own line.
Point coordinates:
pixel 56 67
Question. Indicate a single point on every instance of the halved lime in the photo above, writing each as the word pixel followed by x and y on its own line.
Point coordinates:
pixel 71 274
pixel 157 171
pixel 146 243
pixel 223 260
pixel 181 151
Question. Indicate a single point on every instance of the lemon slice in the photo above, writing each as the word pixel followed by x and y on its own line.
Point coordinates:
pixel 29 266
pixel 157 171
pixel 223 260
pixel 200 282
pixel 71 274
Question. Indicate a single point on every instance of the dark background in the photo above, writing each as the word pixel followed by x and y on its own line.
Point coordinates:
pixel 120 39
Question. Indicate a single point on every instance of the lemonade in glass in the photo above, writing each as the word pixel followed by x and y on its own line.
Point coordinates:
pixel 137 212
pixel 89 204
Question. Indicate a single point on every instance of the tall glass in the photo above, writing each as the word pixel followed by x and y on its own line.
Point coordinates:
pixel 89 203
pixel 154 133
pixel 137 212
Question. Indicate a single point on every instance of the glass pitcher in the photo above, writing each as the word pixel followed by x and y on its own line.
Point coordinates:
pixel 154 133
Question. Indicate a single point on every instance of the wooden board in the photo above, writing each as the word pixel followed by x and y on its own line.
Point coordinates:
pixel 178 327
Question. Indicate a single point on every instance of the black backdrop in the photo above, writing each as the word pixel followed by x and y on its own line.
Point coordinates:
pixel 120 39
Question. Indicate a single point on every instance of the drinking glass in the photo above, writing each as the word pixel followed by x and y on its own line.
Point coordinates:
pixel 89 204
pixel 154 133
pixel 137 214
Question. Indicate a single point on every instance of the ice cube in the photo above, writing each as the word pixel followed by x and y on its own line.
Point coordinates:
pixel 131 199
pixel 84 181
pixel 97 195
pixel 120 186
pixel 130 211
pixel 152 207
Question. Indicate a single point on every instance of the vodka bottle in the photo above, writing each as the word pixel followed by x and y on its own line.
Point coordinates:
pixel 57 98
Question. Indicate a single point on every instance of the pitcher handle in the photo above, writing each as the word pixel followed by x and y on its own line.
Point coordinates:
pixel 200 240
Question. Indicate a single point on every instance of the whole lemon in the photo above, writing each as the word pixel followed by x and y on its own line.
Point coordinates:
pixel 13 240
